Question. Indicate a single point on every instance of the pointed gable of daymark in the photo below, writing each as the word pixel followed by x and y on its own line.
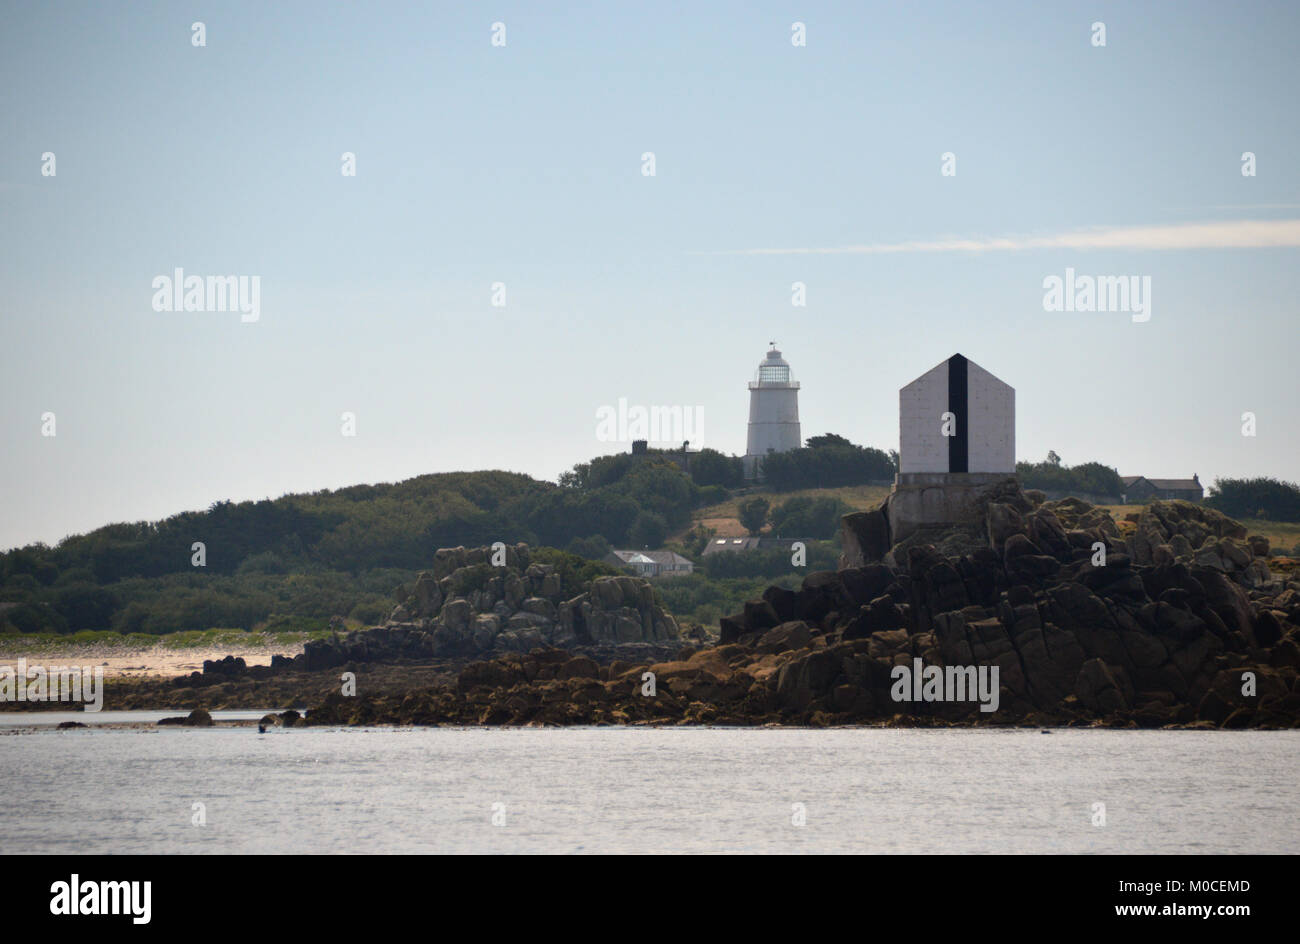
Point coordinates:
pixel 957 418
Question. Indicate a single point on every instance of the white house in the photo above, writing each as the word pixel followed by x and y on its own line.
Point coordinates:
pixel 651 563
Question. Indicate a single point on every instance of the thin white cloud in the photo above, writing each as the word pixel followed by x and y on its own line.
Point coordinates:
pixel 1228 234
pixel 1254 206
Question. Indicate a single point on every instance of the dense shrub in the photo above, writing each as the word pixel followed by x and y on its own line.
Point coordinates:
pixel 1256 498
pixel 712 495
pixel 710 467
pixel 807 517
pixel 327 553
pixel 770 562
pixel 648 531
pixel 827 461
pixel 576 573
pixel 705 600
pixel 1088 478
pixel 752 513
pixel 592 548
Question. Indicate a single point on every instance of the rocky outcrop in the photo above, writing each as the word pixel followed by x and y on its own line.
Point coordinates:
pixel 1080 630
pixel 231 668
pixel 467 606
pixel 1167 531
pixel 1181 526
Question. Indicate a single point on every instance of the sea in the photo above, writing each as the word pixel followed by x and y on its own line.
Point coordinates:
pixel 141 789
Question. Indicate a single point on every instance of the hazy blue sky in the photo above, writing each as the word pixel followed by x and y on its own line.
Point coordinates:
pixel 522 164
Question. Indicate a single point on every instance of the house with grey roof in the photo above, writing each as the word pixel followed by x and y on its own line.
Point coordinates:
pixel 651 563
pixel 1139 488
pixel 725 545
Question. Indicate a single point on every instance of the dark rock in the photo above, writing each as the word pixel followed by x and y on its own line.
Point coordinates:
pixel 782 601
pixel 579 667
pixel 731 628
pixel 801 680
pixel 864 537
pixel 760 615
pixel 864 584
pixel 199 718
pixel 1098 689
pixel 1002 521
pixel 792 635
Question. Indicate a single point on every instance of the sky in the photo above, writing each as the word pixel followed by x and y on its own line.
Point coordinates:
pixel 524 164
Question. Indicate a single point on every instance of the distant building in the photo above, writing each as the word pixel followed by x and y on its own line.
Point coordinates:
pixel 725 545
pixel 651 563
pixel 773 412
pixel 1139 488
pixel 678 457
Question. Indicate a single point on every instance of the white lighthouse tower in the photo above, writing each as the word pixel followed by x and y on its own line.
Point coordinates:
pixel 773 412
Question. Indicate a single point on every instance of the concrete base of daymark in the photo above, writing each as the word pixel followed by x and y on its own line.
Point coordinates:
pixel 923 501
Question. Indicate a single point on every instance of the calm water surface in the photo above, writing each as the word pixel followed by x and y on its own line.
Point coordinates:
pixel 27 719
pixel 649 790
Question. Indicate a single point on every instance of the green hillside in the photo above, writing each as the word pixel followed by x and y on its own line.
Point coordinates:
pixel 293 562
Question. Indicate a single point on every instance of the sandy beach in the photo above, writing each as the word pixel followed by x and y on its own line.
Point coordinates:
pixel 136 661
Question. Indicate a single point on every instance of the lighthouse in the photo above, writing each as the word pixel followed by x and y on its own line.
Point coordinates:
pixel 773 412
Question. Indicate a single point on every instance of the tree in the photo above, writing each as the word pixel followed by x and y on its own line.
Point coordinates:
pixel 86 607
pixel 753 514
pixel 1053 458
pixel 803 517
pixel 592 548
pixel 1087 478
pixel 829 461
pixel 826 439
pixel 649 530
pixel 710 467
pixel 1256 498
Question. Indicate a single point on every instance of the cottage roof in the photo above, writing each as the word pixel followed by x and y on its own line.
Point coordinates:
pixel 1176 484
pixel 718 545
pixel 651 557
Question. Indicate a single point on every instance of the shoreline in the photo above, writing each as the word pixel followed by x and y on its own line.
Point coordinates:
pixel 897 723
pixel 130 659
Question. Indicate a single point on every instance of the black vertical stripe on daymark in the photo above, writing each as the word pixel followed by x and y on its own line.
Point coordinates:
pixel 958 446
